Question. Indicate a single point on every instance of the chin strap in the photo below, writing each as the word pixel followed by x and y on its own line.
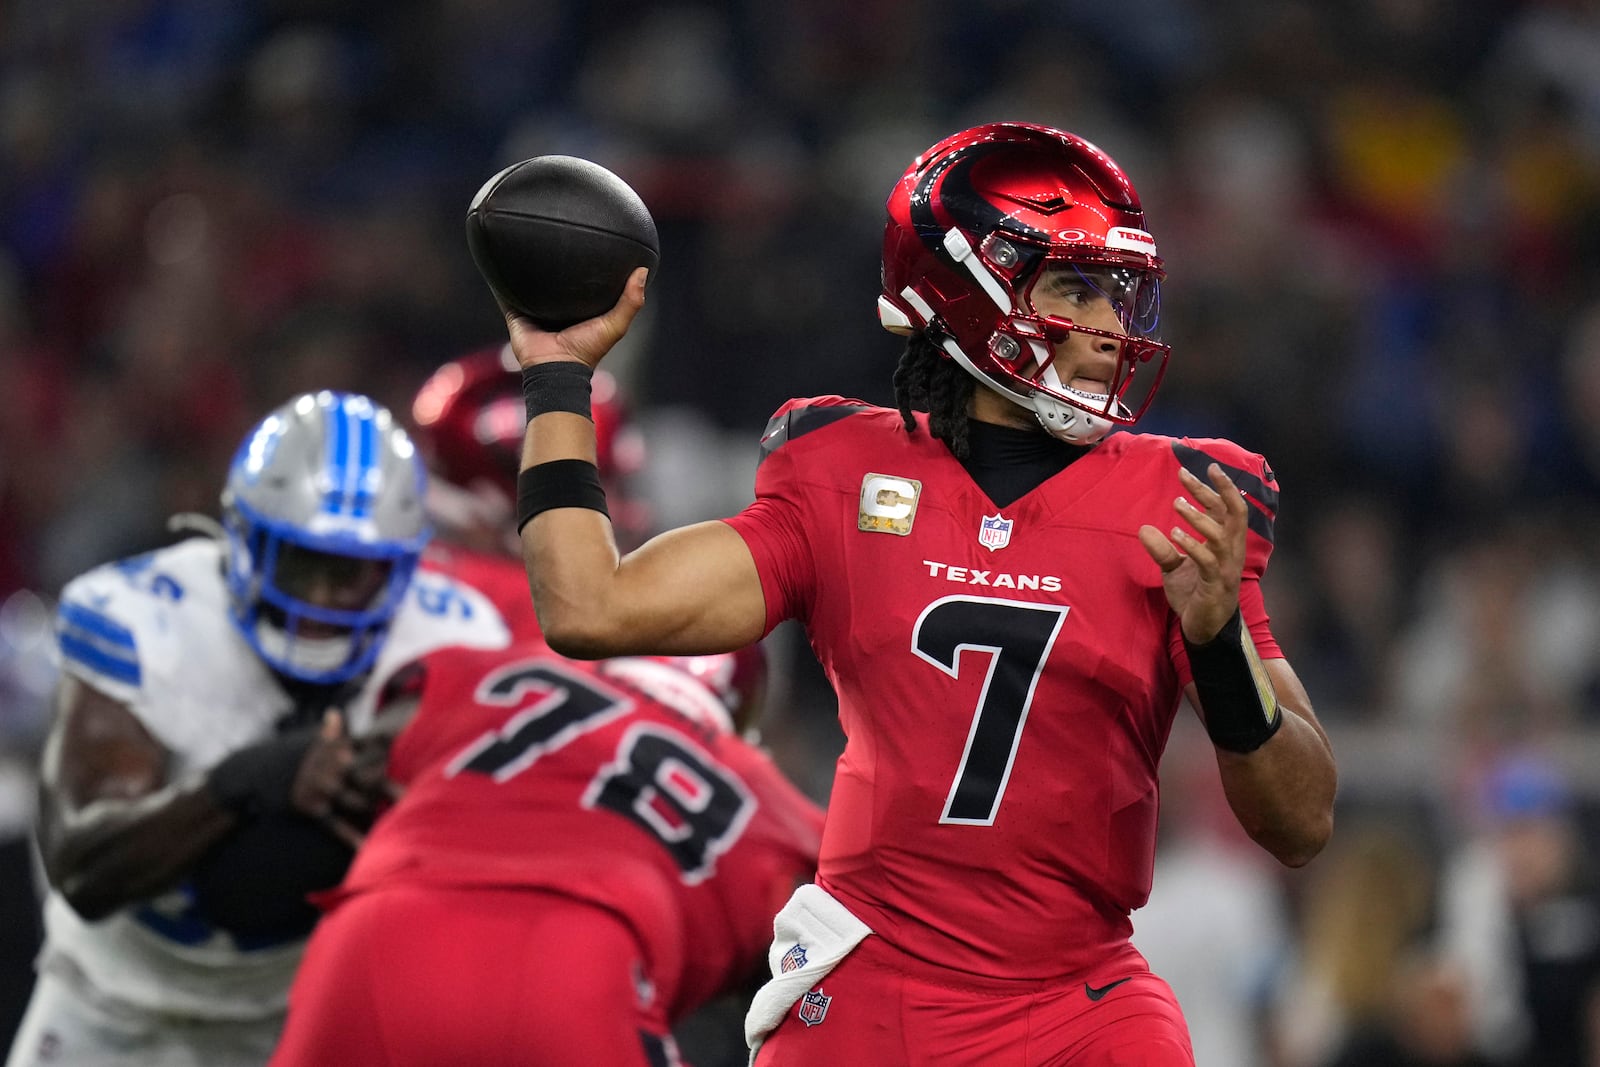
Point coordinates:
pixel 1069 422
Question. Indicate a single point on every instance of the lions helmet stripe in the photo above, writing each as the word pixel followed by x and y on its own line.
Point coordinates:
pixel 338 439
pixel 368 474
pixel 349 474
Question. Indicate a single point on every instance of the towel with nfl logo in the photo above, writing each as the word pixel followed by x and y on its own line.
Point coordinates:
pixel 811 935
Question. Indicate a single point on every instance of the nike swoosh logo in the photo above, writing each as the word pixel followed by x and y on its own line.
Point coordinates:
pixel 1096 994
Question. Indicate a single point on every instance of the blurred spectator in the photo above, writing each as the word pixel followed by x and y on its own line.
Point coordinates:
pixel 1365 911
pixel 1216 926
pixel 1428 1022
pixel 1506 637
pixel 1520 910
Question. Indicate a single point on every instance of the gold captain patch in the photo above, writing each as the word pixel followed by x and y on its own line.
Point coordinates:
pixel 888 504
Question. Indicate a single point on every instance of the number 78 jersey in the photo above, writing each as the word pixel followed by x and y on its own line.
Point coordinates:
pixel 1007 676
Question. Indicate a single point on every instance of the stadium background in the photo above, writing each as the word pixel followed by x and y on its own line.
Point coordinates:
pixel 1381 220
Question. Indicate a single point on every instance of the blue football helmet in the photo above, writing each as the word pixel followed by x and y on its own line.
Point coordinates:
pixel 323 510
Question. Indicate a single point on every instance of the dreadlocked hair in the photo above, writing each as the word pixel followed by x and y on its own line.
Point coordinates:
pixel 928 380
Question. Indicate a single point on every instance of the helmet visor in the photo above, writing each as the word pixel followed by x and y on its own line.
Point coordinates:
pixel 1131 294
pixel 337 582
pixel 1112 301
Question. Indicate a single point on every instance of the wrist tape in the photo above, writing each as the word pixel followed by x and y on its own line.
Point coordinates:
pixel 560 483
pixel 560 386
pixel 1237 700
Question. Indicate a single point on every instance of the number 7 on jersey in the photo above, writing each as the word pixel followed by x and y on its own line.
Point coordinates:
pixel 1018 638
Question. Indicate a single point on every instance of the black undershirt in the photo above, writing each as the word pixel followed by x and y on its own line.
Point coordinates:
pixel 1007 462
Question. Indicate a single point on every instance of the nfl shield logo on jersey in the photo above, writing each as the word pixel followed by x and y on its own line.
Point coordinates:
pixel 793 960
pixel 814 1007
pixel 994 532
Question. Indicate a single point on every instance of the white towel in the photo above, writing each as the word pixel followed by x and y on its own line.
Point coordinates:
pixel 811 935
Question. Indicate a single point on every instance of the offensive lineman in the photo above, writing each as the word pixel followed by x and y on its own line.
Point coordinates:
pixel 592 849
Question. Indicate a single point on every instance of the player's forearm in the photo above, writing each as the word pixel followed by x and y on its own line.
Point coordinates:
pixel 569 552
pixel 1282 793
pixel 112 853
pixel 571 561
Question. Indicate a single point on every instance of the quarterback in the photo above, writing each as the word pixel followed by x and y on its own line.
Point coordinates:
pixel 1010 598
pixel 220 740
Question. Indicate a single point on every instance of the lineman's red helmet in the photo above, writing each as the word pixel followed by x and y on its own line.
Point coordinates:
pixel 470 417
pixel 725 691
pixel 976 221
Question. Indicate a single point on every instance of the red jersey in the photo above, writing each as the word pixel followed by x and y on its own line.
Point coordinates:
pixel 551 775
pixel 1006 676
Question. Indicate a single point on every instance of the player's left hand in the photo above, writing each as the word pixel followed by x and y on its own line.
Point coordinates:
pixel 1201 569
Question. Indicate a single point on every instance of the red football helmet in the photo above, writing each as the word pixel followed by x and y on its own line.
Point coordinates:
pixel 470 417
pixel 974 224
pixel 725 691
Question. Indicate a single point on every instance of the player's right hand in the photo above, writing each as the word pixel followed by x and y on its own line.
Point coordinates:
pixel 588 341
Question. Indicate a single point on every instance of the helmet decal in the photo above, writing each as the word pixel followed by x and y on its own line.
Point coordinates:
pixel 955 170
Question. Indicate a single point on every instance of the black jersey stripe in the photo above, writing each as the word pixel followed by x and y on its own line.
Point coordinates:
pixel 798 422
pixel 1263 498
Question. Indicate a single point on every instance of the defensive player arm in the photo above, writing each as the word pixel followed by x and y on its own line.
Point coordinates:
pixel 1282 793
pixel 112 830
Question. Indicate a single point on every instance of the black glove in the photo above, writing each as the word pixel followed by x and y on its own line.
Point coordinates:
pixel 258 779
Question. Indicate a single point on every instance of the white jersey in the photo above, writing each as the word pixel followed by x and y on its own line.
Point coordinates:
pixel 153 632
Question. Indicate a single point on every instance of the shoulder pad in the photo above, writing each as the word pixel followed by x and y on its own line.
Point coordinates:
pixel 796 418
pixel 94 640
pixel 1248 470
pixel 439 611
pixel 108 616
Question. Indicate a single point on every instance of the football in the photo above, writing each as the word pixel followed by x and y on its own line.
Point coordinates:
pixel 556 238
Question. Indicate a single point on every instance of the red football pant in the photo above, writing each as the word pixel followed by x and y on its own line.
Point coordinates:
pixel 886 1010
pixel 425 975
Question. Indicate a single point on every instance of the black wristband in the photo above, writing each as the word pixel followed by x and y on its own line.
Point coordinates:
pixel 560 483
pixel 1237 700
pixel 559 386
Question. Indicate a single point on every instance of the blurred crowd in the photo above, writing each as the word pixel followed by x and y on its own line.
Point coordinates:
pixel 1381 223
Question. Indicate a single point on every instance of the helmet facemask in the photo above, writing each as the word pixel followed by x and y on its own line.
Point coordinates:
pixel 1023 349
pixel 282 586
